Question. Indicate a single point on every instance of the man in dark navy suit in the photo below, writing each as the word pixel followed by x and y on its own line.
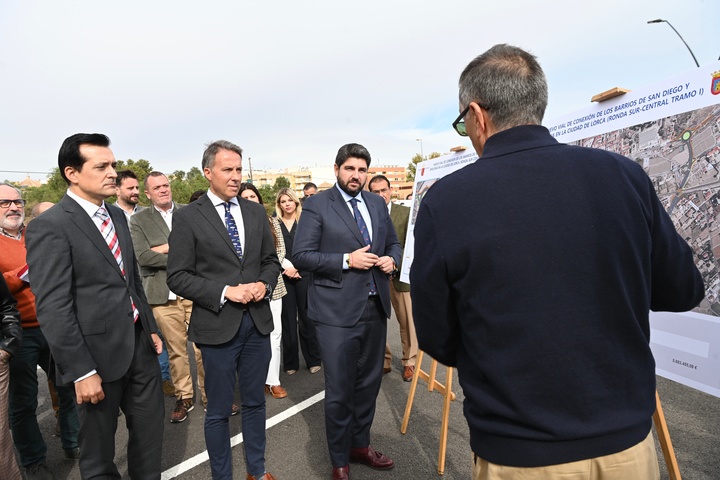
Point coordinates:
pixel 346 239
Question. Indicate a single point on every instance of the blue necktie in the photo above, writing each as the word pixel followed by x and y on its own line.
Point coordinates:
pixel 232 230
pixel 365 234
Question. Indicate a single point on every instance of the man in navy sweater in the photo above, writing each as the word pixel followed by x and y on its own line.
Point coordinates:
pixel 534 272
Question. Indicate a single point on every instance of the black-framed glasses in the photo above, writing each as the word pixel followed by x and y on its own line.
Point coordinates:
pixel 459 123
pixel 4 203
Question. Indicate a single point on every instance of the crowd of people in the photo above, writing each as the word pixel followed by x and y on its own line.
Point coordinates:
pixel 539 296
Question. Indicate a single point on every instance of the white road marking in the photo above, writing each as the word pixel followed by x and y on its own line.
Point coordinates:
pixel 202 457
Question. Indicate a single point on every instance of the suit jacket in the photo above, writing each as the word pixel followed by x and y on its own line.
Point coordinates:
pixel 82 298
pixel 202 261
pixel 148 229
pixel 326 231
pixel 400 215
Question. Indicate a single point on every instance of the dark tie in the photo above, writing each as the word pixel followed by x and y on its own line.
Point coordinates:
pixel 232 230
pixel 108 232
pixel 365 234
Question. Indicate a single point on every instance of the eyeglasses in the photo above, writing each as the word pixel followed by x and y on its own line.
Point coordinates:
pixel 20 203
pixel 459 123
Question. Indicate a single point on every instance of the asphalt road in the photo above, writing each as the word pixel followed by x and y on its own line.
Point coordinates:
pixel 296 448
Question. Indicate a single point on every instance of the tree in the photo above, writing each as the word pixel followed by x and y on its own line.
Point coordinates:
pixel 412 166
pixel 51 191
pixel 184 185
pixel 280 183
pixel 55 187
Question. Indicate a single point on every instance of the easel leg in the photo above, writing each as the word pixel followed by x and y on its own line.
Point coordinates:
pixel 665 442
pixel 411 395
pixel 445 421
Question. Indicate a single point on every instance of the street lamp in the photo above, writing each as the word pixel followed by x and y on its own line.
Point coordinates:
pixel 421 148
pixel 660 20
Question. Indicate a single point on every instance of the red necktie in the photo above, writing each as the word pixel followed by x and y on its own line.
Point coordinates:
pixel 107 229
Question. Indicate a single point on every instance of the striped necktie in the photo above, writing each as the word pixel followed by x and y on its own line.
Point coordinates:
pixel 107 229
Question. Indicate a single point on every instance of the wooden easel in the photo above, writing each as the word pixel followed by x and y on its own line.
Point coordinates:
pixel 664 439
pixel 445 390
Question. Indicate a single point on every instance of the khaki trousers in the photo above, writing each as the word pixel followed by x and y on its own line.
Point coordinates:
pixel 403 311
pixel 8 464
pixel 173 319
pixel 635 463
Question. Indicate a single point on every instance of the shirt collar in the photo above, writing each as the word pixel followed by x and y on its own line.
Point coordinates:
pixel 217 201
pixel 166 212
pixel 10 235
pixel 89 207
pixel 347 197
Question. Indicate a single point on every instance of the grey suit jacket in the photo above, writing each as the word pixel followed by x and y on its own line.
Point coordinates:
pixel 202 261
pixel 82 298
pixel 326 231
pixel 148 229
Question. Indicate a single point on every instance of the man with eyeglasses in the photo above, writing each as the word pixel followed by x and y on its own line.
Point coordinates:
pixel 399 291
pixel 34 352
pixel 539 288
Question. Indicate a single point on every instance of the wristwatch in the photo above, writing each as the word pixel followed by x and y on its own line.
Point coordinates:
pixel 268 291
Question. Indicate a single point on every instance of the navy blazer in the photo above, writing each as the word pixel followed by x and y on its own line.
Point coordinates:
pixel 202 261
pixel 326 231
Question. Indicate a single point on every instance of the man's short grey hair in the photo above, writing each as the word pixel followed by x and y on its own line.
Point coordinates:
pixel 213 148
pixel 3 184
pixel 509 83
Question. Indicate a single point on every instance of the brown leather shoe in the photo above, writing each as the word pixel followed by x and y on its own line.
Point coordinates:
pixel 386 370
pixel 341 473
pixel 234 410
pixel 277 391
pixel 408 373
pixel 371 458
pixel 267 476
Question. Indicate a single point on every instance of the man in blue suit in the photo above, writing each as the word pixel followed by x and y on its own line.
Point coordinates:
pixel 346 239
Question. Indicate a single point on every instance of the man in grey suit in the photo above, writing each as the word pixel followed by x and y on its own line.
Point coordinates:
pixel 93 312
pixel 150 229
pixel 346 239
pixel 222 257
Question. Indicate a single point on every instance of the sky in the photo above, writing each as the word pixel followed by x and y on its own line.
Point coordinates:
pixel 291 82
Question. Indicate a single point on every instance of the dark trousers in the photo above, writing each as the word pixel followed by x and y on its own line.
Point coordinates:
pixel 352 360
pixel 139 395
pixel 294 317
pixel 23 400
pixel 246 356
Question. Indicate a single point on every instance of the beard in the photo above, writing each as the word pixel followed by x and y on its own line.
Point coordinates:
pixel 12 222
pixel 351 190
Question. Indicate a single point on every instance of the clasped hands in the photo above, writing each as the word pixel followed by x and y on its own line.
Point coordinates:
pixel 364 260
pixel 246 292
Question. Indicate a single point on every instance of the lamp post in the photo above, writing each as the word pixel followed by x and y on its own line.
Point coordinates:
pixel 660 20
pixel 421 148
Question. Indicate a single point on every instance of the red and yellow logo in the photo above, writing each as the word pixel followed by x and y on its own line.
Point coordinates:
pixel 715 83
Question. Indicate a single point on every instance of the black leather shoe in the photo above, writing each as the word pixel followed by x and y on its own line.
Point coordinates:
pixel 72 453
